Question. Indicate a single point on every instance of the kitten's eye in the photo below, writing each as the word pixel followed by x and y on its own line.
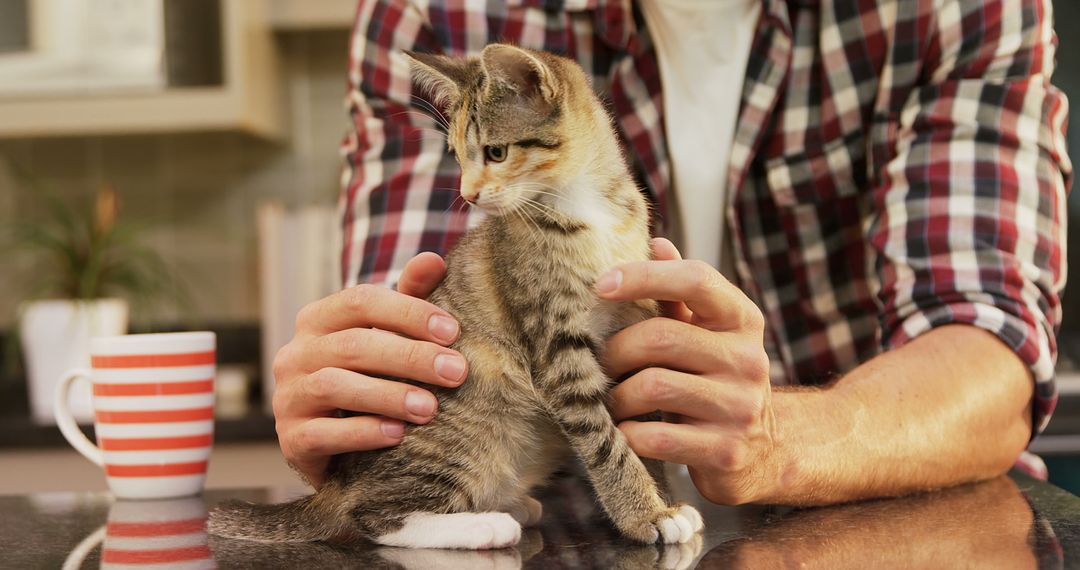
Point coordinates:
pixel 495 153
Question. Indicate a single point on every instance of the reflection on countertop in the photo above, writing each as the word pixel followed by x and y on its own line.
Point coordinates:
pixel 989 525
pixel 1010 522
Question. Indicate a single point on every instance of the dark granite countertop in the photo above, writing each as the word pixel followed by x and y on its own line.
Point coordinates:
pixel 1010 522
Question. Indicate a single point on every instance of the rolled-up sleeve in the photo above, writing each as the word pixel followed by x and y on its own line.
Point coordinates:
pixel 969 223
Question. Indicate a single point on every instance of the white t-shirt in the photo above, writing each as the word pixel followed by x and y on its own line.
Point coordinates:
pixel 703 47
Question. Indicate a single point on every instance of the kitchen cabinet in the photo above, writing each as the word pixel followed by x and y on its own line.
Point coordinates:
pixel 249 99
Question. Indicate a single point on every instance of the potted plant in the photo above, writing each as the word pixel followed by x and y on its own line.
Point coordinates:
pixel 88 267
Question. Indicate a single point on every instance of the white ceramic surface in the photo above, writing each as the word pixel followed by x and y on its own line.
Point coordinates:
pixel 56 337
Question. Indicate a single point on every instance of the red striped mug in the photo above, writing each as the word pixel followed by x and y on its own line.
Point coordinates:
pixel 153 412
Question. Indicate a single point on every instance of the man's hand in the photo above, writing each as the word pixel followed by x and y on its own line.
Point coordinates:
pixel 949 407
pixel 704 365
pixel 342 344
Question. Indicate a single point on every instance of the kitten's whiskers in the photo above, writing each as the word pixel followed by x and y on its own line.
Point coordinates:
pixel 525 217
pixel 422 130
pixel 415 127
pixel 425 116
pixel 457 197
pixel 435 112
pixel 532 186
pixel 555 215
pixel 542 208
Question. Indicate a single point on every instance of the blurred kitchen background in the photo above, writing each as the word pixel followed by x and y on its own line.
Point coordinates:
pixel 204 135
pixel 216 125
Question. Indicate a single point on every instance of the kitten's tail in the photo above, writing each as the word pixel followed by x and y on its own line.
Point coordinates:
pixel 301 520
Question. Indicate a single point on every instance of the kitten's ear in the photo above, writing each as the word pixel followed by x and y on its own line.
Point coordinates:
pixel 519 70
pixel 443 77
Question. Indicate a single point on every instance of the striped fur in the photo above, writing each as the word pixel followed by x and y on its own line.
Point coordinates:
pixel 563 209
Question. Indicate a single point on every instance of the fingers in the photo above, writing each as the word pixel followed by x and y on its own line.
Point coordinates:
pixel 353 332
pixel 715 302
pixel 691 397
pixel 384 354
pixel 664 250
pixel 422 274
pixel 308 444
pixel 330 389
pixel 675 443
pixel 657 389
pixel 669 343
pixel 372 306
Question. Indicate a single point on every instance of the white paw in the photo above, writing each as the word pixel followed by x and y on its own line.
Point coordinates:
pixel 691 514
pixel 680 527
pixel 469 531
pixel 497 530
pixel 681 556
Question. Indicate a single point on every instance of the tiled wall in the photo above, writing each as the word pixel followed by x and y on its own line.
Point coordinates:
pixel 197 193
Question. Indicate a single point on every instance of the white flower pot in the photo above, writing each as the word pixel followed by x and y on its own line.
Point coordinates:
pixel 56 337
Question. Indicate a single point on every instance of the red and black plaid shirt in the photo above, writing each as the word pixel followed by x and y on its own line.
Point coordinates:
pixel 897 166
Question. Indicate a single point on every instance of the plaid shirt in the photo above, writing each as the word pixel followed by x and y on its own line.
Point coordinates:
pixel 897 165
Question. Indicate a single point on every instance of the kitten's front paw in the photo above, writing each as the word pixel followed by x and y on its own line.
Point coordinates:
pixel 673 525
pixel 679 526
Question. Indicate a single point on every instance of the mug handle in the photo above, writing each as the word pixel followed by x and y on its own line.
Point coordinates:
pixel 74 560
pixel 66 422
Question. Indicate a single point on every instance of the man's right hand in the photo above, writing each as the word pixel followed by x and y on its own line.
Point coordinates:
pixel 342 346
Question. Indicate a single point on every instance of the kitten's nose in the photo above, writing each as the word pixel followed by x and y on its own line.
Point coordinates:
pixel 470 196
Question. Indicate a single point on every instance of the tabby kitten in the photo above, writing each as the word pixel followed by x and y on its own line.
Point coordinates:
pixel 539 155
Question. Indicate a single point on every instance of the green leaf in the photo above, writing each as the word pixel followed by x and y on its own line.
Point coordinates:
pixel 76 260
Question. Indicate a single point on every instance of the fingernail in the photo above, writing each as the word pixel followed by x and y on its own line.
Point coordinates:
pixel 394 430
pixel 422 405
pixel 610 281
pixel 450 367
pixel 443 328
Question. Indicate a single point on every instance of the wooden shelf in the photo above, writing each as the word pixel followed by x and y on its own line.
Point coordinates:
pixel 250 100
pixel 308 15
pixel 174 110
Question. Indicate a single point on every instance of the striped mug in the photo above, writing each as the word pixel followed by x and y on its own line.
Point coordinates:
pixel 153 412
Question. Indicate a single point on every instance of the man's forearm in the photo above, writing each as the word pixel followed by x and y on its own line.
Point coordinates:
pixel 949 407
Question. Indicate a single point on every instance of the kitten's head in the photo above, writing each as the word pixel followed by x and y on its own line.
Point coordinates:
pixel 520 122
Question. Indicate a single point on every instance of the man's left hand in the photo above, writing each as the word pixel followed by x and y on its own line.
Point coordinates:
pixel 704 365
